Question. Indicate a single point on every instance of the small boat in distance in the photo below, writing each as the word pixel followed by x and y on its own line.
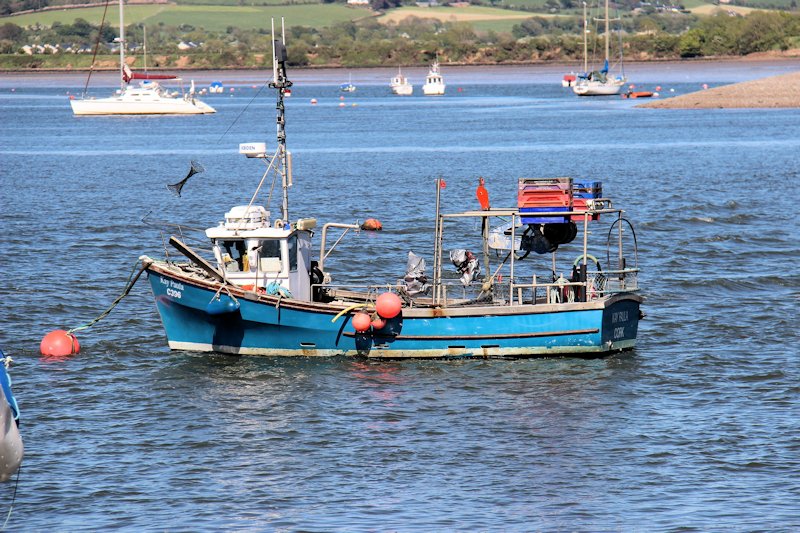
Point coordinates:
pixel 216 87
pixel 598 82
pixel 348 87
pixel 400 84
pixel 638 94
pixel 434 81
pixel 258 288
pixel 147 98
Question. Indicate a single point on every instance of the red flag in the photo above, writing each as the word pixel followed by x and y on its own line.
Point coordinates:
pixel 442 183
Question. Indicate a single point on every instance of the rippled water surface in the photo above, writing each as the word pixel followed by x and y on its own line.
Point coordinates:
pixel 696 429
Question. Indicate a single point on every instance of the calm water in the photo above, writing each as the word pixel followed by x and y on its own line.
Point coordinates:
pixel 697 429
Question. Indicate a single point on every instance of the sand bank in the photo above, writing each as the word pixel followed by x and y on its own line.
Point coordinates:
pixel 772 92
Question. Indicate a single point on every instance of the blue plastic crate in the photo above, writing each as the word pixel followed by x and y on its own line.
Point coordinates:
pixel 587 189
pixel 550 219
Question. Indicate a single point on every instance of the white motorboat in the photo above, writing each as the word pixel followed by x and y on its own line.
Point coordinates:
pixel 434 82
pixel 400 84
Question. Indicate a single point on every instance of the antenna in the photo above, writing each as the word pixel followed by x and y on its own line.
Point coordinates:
pixel 281 83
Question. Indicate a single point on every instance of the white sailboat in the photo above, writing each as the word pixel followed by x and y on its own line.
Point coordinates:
pixel 146 98
pixel 348 87
pixel 598 82
pixel 434 82
pixel 400 84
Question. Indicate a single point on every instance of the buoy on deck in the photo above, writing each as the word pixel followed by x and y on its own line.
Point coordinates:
pixel 378 323
pixel 388 305
pixel 372 224
pixel 361 322
pixel 59 343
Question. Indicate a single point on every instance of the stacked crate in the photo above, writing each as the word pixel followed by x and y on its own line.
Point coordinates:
pixel 584 194
pixel 544 195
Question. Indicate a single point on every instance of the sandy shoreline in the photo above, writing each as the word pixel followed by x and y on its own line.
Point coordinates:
pixel 781 91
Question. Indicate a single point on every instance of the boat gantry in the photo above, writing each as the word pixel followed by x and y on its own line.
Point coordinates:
pixel 262 289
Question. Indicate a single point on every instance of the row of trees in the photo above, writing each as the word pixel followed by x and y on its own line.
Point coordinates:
pixel 417 41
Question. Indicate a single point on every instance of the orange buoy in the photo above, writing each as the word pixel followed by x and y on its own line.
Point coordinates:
pixel 59 343
pixel 361 322
pixel 378 323
pixel 388 305
pixel 372 224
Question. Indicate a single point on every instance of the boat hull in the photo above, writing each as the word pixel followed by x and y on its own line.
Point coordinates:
pixel 433 89
pixel 597 88
pixel 284 327
pixel 11 447
pixel 124 106
pixel 403 90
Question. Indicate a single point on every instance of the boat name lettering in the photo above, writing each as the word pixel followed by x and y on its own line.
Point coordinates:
pixel 619 316
pixel 619 333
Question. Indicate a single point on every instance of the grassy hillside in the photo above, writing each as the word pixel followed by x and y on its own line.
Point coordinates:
pixel 209 17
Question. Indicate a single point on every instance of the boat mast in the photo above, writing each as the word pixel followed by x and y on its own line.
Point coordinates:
pixel 281 83
pixel 585 42
pixel 607 39
pixel 121 48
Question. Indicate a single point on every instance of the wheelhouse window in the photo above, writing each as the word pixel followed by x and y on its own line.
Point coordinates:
pixel 234 256
pixel 293 253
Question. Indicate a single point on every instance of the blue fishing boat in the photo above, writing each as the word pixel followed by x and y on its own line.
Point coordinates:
pixel 262 290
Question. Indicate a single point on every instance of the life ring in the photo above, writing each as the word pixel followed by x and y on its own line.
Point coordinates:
pixel 592 258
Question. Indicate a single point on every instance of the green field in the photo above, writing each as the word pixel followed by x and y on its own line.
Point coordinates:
pixel 212 18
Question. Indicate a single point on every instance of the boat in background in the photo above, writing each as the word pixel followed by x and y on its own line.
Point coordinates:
pixel 11 447
pixel 434 81
pixel 599 82
pixel 639 94
pixel 347 87
pixel 146 98
pixel 256 289
pixel 400 84
pixel 216 87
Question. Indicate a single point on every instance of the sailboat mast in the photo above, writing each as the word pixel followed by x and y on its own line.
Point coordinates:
pixel 585 40
pixel 121 48
pixel 607 46
pixel 281 83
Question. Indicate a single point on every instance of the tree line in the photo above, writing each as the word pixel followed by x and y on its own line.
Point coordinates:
pixel 417 41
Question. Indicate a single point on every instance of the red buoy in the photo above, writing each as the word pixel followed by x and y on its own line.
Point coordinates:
pixel 378 323
pixel 388 305
pixel 372 224
pixel 361 322
pixel 59 343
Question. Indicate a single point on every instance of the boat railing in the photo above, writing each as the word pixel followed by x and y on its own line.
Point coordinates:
pixel 598 285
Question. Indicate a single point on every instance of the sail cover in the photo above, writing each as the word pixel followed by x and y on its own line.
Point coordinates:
pixel 128 75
